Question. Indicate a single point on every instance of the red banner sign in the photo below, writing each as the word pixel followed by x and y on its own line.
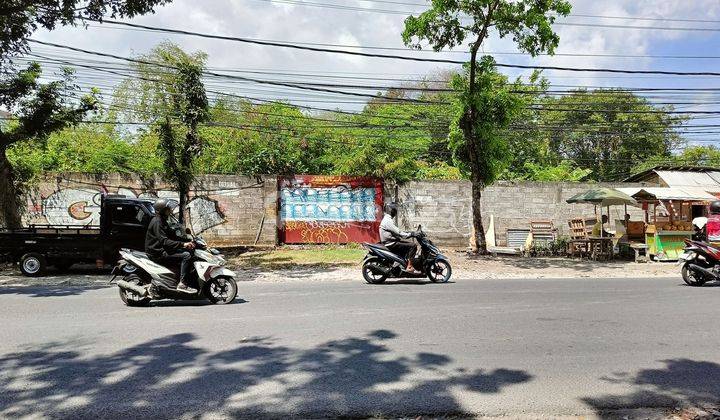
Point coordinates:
pixel 329 209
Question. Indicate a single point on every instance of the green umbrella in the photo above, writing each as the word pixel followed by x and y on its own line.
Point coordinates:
pixel 603 197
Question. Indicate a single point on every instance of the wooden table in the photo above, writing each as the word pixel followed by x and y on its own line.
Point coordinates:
pixel 601 247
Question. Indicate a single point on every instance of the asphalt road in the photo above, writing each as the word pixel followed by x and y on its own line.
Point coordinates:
pixel 325 348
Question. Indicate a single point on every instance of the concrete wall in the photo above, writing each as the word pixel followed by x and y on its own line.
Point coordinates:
pixel 444 207
pixel 227 210
pixel 513 205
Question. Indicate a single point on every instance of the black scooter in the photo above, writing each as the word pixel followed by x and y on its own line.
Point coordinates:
pixel 381 263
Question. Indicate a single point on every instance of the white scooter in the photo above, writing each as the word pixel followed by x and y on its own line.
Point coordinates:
pixel 144 280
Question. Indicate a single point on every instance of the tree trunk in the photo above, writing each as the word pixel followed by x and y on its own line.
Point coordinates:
pixel 184 191
pixel 478 184
pixel 478 241
pixel 9 200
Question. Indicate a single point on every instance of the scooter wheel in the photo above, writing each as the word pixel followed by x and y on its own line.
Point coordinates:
pixel 221 290
pixel 129 298
pixel 370 276
pixel 439 271
pixel 691 278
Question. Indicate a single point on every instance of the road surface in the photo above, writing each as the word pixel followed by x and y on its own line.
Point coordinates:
pixel 326 348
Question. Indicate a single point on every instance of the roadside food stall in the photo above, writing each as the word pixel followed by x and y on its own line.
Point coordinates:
pixel 600 244
pixel 669 213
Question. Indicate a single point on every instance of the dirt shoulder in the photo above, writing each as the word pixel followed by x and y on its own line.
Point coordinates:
pixel 340 265
pixel 283 265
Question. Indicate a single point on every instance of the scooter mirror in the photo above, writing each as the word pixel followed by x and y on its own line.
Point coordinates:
pixel 187 230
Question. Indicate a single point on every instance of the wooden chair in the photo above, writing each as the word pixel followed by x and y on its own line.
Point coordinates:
pixel 543 231
pixel 579 243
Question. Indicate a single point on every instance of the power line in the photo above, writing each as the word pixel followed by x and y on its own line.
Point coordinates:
pixel 389 56
pixel 532 108
pixel 425 6
pixel 268 82
pixel 365 114
pixel 556 54
pixel 634 27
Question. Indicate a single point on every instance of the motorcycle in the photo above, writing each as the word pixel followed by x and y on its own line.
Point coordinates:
pixel 700 263
pixel 144 280
pixel 381 263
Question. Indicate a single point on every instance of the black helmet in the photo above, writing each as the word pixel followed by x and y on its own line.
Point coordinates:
pixel 715 207
pixel 391 208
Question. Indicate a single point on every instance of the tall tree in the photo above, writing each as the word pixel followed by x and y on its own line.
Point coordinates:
pixel 608 131
pixel 40 110
pixel 692 155
pixel 448 23
pixel 19 19
pixel 170 94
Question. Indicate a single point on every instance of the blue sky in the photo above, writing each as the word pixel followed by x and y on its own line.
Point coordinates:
pixel 301 23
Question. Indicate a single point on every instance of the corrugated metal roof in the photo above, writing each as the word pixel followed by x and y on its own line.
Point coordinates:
pixel 672 193
pixel 715 175
pixel 691 179
pixel 649 174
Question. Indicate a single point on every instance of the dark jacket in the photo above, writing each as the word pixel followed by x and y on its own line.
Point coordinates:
pixel 159 239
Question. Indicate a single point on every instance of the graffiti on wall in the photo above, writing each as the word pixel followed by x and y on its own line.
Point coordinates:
pixel 81 206
pixel 329 209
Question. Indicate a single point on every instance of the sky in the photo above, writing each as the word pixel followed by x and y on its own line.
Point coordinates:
pixel 291 21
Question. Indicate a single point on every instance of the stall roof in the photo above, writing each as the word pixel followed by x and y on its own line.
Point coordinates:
pixel 706 177
pixel 669 193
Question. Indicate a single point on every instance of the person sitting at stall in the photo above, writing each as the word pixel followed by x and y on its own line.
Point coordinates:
pixel 699 229
pixel 598 229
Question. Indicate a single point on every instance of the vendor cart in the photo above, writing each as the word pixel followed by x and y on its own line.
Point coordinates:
pixel 668 217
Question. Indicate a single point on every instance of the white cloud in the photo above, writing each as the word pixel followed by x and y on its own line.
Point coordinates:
pixel 293 23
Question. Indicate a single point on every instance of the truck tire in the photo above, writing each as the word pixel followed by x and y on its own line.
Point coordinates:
pixel 33 264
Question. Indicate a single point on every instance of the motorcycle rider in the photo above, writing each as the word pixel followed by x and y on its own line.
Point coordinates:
pixel 164 247
pixel 712 227
pixel 396 240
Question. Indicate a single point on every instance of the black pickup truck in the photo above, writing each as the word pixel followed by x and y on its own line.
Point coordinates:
pixel 123 223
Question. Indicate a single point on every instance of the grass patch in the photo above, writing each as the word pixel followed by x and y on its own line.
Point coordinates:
pixel 289 258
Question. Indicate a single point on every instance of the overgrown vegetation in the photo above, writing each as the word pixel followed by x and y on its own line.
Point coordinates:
pixel 401 141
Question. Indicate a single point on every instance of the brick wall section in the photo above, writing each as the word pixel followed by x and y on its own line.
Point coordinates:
pixel 235 204
pixel 444 207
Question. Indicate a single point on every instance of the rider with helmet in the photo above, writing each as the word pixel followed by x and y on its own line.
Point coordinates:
pixel 396 240
pixel 164 247
pixel 713 222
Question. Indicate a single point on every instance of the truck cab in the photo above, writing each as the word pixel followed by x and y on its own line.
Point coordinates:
pixel 124 221
pixel 123 224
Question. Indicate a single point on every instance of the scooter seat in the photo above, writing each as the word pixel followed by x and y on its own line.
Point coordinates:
pixel 378 246
pixel 139 254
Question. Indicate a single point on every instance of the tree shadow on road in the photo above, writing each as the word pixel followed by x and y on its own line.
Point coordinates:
pixel 170 377
pixel 50 291
pixel 681 383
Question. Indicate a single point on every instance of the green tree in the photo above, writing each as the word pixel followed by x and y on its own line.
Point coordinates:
pixel 607 131
pixel 690 156
pixel 168 93
pixel 447 24
pixel 180 147
pixel 19 19
pixel 92 147
pixel 252 139
pixel 41 109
